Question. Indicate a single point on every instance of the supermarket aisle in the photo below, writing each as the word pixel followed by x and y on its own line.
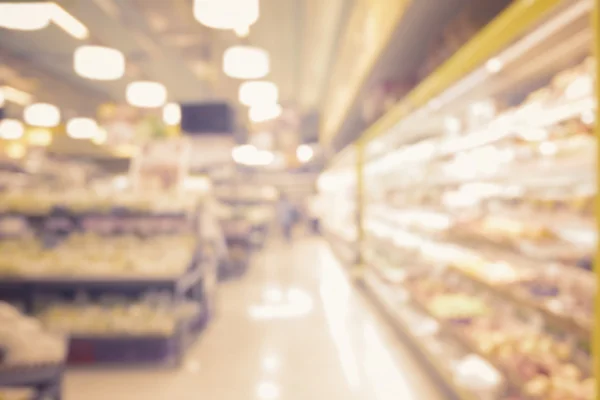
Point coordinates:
pixel 292 329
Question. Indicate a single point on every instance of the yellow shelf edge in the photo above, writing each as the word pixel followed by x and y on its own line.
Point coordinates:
pixel 518 18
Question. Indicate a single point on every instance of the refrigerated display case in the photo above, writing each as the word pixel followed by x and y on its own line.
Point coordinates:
pixel 475 208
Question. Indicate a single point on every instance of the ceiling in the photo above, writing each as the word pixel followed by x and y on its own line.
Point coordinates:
pixel 162 42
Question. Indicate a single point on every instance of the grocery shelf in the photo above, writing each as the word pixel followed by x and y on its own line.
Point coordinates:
pixel 391 306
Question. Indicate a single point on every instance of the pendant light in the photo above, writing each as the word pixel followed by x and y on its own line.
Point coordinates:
pixel 42 115
pixel 264 112
pixel 226 14
pixel 99 63
pixel 82 128
pixel 146 94
pixel 25 16
pixel 258 92
pixel 246 62
pixel 11 129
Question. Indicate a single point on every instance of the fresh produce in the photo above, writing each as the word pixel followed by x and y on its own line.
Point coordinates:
pixel 90 255
pixel 121 318
pixel 23 340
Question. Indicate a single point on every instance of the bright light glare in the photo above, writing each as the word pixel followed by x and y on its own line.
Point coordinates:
pixel 226 14
pixel 42 115
pixel 172 114
pixel 534 134
pixel 494 65
pixel 82 128
pixel 67 22
pixel 548 148
pixel 25 16
pixel 588 117
pixel 263 113
pixel 246 62
pixel 582 86
pixel 250 155
pixel 256 93
pixel 11 129
pixel 16 96
pixel 304 153
pixel 146 94
pixel 452 125
pixel 267 391
pixel 271 363
pixel 99 63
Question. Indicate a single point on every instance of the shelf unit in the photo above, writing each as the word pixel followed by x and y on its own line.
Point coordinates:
pixel 405 155
pixel 195 286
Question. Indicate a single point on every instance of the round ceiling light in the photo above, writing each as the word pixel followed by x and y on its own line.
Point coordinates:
pixel 246 62
pixel 258 92
pixel 11 129
pixel 226 14
pixel 82 128
pixel 172 114
pixel 146 94
pixel 42 115
pixel 25 16
pixel 99 63
pixel 264 112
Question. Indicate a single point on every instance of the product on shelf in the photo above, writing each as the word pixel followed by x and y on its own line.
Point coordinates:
pixel 24 341
pixel 116 318
pixel 94 256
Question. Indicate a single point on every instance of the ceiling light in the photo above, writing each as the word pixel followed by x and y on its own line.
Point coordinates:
pixel 172 114
pixel 246 62
pixel 15 95
pixel 82 128
pixel 249 155
pixel 262 113
pixel 25 16
pixel 226 14
pixel 494 65
pixel 304 153
pixel 258 92
pixel 146 94
pixel 99 63
pixel 11 129
pixel 42 114
pixel 67 22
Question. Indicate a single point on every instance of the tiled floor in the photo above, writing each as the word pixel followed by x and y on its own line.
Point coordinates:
pixel 292 329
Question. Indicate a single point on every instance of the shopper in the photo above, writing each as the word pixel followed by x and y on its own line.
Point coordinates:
pixel 285 216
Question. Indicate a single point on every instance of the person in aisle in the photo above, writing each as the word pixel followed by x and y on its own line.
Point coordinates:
pixel 314 213
pixel 285 216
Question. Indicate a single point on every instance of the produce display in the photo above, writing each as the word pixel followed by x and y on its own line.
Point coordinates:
pixel 25 342
pixel 94 256
pixel 117 318
pixel 484 227
pixel 83 200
